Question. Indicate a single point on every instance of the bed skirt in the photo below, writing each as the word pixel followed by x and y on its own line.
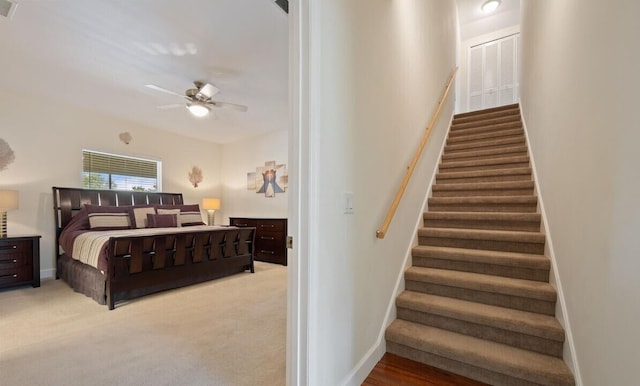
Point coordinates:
pixel 83 278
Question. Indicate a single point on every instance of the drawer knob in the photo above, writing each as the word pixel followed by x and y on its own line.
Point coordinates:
pixel 8 246
pixel 13 276
pixel 269 252
pixel 8 261
pixel 267 238
pixel 267 226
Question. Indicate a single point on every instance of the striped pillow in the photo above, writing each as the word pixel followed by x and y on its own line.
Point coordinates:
pixel 103 218
pixel 188 214
pixel 190 218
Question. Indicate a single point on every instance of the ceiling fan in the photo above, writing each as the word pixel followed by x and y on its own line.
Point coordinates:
pixel 199 99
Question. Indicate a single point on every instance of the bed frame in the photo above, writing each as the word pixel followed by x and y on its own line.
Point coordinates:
pixel 141 265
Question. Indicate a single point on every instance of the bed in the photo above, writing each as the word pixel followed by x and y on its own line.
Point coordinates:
pixel 131 262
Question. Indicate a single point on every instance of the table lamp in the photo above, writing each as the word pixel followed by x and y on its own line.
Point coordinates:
pixel 8 200
pixel 211 204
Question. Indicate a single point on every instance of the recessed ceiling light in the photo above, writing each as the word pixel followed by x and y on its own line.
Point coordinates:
pixel 490 6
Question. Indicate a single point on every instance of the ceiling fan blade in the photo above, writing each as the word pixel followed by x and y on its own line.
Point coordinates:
pixel 171 106
pixel 232 106
pixel 164 90
pixel 207 91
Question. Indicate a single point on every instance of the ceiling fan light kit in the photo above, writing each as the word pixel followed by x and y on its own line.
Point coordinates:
pixel 199 100
pixel 198 109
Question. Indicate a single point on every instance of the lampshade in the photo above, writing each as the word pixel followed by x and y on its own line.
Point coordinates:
pixel 198 109
pixel 8 199
pixel 211 203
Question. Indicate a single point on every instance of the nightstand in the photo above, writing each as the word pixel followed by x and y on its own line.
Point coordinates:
pixel 19 261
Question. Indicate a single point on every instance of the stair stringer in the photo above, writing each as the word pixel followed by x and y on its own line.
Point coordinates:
pixel 569 353
pixel 375 353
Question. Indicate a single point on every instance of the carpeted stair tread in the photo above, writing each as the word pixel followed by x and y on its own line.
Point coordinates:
pixel 484 144
pixel 486 122
pixel 471 137
pixel 517 363
pixel 481 153
pixel 483 173
pixel 484 283
pixel 490 239
pixel 525 203
pixel 483 188
pixel 512 259
pixel 483 220
pixel 480 129
pixel 530 323
pixel 483 234
pixel 509 159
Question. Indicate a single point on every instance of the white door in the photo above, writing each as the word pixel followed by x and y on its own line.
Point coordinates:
pixel 493 73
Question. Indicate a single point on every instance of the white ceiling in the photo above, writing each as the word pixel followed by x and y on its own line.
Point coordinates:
pixel 473 22
pixel 100 54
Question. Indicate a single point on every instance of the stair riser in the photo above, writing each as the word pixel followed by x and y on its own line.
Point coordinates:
pixel 525 208
pixel 496 160
pixel 483 268
pixel 491 245
pixel 448 168
pixel 476 193
pixel 512 121
pixel 483 142
pixel 485 145
pixel 455 133
pixel 485 136
pixel 511 107
pixel 473 155
pixel 456 366
pixel 509 301
pixel 511 338
pixel 512 113
pixel 507 225
pixel 440 179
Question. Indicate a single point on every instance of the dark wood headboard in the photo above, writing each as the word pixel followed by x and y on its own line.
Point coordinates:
pixel 68 201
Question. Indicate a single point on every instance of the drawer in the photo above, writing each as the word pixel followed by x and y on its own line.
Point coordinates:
pixel 270 238
pixel 22 247
pixel 270 255
pixel 270 249
pixel 243 222
pixel 15 275
pixel 271 225
pixel 14 261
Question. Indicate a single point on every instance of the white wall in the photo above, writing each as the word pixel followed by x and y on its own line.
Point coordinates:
pixel 579 93
pixel 242 157
pixel 376 71
pixel 48 147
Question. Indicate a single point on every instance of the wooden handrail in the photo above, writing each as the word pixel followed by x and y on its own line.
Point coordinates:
pixel 380 233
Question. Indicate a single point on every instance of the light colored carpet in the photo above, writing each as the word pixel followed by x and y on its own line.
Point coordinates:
pixel 230 331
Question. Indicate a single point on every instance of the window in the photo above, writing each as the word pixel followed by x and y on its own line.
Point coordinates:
pixel 111 171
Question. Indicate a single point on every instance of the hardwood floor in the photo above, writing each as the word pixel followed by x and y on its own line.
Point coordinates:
pixel 395 370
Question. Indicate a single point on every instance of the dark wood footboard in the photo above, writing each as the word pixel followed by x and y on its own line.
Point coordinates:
pixel 142 265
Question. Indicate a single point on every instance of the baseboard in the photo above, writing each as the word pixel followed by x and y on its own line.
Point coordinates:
pixel 570 356
pixel 366 364
pixel 375 353
pixel 47 273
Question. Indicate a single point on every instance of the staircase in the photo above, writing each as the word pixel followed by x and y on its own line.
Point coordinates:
pixel 478 300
